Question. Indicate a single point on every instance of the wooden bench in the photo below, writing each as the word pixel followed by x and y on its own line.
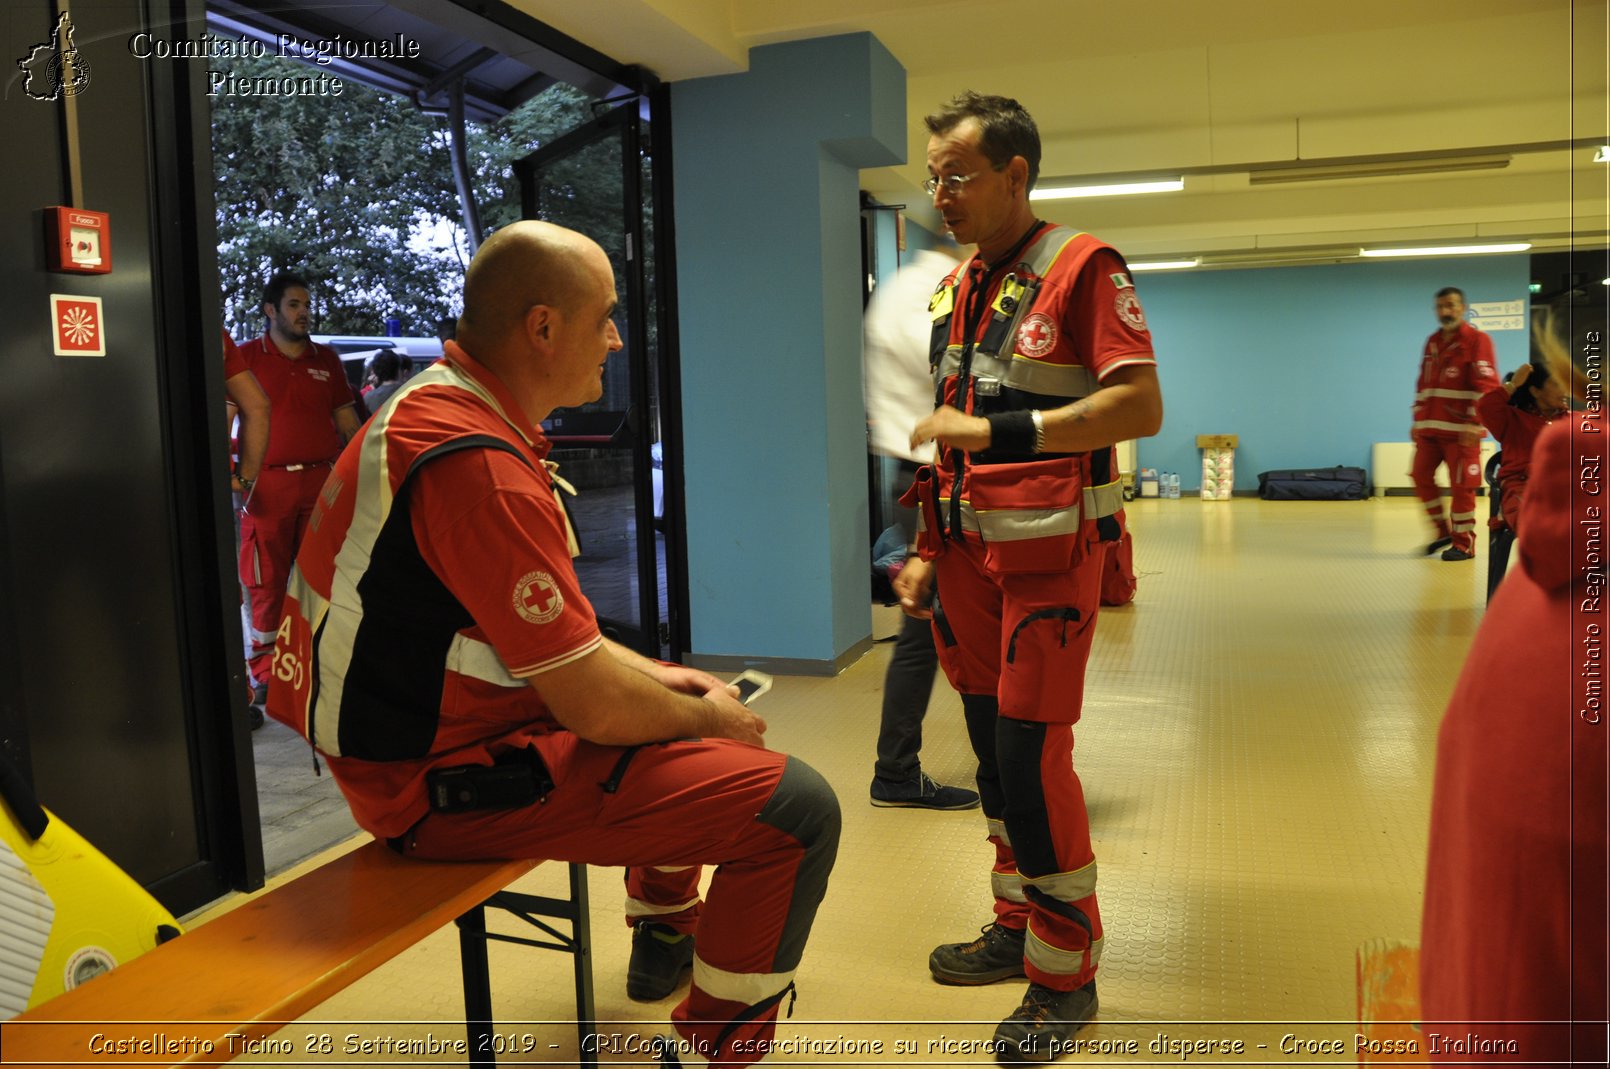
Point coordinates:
pixel 264 964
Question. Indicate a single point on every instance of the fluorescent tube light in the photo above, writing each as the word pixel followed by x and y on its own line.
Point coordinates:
pixel 1166 265
pixel 1378 168
pixel 1107 189
pixel 1449 250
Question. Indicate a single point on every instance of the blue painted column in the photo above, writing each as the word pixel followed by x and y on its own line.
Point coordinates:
pixel 769 283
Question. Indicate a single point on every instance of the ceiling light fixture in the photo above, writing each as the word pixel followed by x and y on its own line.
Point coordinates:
pixel 1320 172
pixel 1449 250
pixel 1108 189
pixel 1167 265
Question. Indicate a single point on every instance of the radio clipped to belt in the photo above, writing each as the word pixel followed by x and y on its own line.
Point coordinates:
pixel 517 778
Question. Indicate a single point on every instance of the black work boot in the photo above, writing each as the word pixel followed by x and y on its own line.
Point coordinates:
pixel 997 954
pixel 660 955
pixel 1039 1029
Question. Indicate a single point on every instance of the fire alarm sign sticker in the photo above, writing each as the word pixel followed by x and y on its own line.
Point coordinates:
pixel 76 325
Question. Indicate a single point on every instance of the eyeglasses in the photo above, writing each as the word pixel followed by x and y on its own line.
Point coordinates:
pixel 953 183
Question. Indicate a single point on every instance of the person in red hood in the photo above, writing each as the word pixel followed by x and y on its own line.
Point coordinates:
pixel 1516 413
pixel 1513 941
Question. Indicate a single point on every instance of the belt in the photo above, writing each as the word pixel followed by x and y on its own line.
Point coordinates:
pixel 300 467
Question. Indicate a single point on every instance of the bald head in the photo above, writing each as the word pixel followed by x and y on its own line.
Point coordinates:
pixel 539 304
pixel 522 265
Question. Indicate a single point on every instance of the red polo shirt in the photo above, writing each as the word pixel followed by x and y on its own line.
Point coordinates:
pixel 305 394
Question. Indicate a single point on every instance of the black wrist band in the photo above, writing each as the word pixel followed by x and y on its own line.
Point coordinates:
pixel 1011 432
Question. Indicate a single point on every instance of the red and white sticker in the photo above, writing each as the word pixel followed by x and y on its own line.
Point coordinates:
pixel 1129 309
pixel 537 598
pixel 77 328
pixel 1037 336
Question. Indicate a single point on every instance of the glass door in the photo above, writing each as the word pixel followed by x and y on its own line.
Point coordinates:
pixel 594 180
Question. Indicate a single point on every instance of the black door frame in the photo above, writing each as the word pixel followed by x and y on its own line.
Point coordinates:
pixel 625 122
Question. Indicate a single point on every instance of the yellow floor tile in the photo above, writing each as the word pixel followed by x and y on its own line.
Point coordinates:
pixel 1256 749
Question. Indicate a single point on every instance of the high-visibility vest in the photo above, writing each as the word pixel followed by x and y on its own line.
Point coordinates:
pixel 332 674
pixel 1034 513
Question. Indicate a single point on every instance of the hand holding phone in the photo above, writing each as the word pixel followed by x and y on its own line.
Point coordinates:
pixel 751 685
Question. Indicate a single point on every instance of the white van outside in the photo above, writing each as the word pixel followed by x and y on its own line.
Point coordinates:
pixel 356 350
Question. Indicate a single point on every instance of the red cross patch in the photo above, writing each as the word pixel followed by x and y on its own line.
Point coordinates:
pixel 537 598
pixel 1037 336
pixel 1129 310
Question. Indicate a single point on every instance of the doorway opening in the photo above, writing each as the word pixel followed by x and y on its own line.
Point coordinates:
pixel 370 150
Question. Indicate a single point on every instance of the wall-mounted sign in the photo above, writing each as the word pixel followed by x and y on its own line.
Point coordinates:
pixel 76 325
pixel 1497 315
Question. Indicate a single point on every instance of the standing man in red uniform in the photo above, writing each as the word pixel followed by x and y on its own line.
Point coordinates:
pixel 1455 371
pixel 435 634
pixel 313 418
pixel 1043 362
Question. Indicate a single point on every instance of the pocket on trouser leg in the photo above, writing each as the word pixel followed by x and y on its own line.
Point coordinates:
pixel 247 567
pixel 1043 669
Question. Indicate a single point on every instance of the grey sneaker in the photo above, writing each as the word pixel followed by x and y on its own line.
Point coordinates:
pixel 1039 1029
pixel 1455 553
pixel 922 793
pixel 660 955
pixel 1437 543
pixel 997 954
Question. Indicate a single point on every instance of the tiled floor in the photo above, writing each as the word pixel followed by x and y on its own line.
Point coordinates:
pixel 1256 748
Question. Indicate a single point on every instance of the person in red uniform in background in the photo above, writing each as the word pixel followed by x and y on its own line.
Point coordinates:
pixel 1044 361
pixel 435 633
pixel 313 419
pixel 1456 369
pixel 1513 943
pixel 1516 413
pixel 248 403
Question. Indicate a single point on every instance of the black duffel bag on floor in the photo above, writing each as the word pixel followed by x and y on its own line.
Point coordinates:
pixel 1313 484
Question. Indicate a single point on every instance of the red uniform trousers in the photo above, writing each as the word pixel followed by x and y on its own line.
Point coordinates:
pixel 1464 476
pixel 271 529
pixel 768 821
pixel 1022 683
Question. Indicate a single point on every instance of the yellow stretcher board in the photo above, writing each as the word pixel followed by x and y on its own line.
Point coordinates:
pixel 67 913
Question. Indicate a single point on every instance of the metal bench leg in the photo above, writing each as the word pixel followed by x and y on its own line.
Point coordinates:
pixel 582 963
pixel 477 985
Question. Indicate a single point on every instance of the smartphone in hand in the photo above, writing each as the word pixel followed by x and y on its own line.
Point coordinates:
pixel 751 685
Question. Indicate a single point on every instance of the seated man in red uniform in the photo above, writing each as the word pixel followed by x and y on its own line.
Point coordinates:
pixel 1043 361
pixel 1456 369
pixel 434 631
pixel 313 417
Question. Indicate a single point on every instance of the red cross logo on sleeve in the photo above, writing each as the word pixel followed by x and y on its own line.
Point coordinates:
pixel 537 598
